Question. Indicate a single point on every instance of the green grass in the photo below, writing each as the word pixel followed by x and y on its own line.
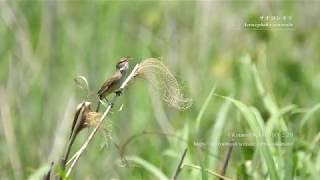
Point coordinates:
pixel 241 82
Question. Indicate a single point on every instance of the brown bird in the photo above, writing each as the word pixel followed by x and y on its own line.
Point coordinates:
pixel 115 81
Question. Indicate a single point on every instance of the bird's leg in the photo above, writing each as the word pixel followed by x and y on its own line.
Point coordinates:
pixel 110 103
pixel 106 100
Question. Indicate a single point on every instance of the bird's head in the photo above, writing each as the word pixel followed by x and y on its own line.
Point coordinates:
pixel 123 64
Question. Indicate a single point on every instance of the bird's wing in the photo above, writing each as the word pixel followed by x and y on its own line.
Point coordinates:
pixel 109 83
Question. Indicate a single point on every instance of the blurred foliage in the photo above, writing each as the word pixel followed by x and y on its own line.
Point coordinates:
pixel 46 44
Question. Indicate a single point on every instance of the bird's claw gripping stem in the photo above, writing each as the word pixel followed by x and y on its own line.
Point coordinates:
pixel 119 93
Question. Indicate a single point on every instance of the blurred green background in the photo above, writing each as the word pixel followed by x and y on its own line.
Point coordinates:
pixel 273 72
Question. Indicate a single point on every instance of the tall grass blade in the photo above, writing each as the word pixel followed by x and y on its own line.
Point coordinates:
pixel 265 149
pixel 268 100
pixel 149 167
pixel 217 131
pixel 308 115
pixel 203 109
pixel 40 172
pixel 255 121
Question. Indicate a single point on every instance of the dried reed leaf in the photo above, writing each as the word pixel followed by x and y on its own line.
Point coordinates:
pixel 82 83
pixel 88 117
pixel 162 80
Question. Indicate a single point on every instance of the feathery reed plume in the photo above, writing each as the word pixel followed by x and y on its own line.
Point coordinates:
pixel 162 80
